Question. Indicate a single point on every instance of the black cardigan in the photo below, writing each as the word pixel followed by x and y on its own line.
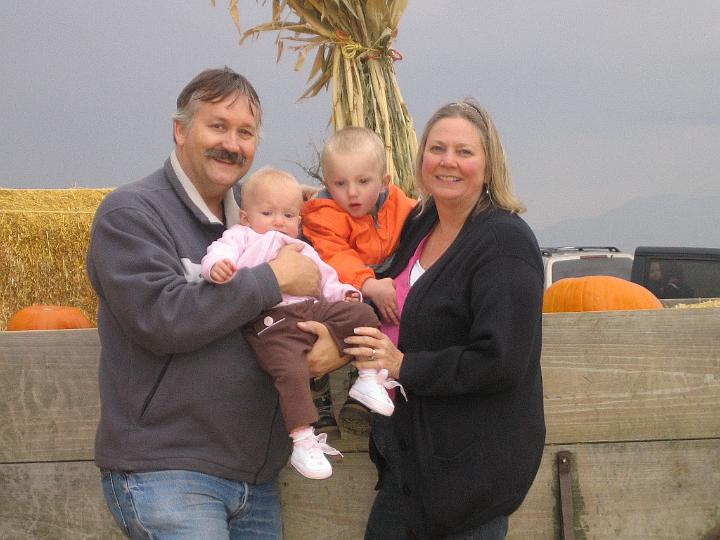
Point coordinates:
pixel 472 431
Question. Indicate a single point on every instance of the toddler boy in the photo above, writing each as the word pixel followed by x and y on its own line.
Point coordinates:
pixel 354 224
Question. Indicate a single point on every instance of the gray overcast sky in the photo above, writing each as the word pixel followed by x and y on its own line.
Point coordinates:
pixel 598 102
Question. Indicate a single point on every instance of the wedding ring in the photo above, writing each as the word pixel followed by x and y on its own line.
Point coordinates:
pixel 373 355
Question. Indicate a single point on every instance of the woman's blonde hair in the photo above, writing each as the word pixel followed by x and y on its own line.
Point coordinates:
pixel 498 184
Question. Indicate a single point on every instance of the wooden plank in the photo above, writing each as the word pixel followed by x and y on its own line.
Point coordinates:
pixel 673 328
pixel 613 376
pixel 659 490
pixel 632 375
pixel 662 490
pixel 65 501
pixel 633 491
pixel 49 401
pixel 329 509
pixel 54 500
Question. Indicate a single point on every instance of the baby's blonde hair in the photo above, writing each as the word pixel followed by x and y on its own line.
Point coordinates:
pixel 267 176
pixel 352 139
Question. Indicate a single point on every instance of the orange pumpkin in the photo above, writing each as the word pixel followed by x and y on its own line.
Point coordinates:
pixel 597 293
pixel 44 317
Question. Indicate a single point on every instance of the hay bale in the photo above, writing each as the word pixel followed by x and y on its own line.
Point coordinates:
pixel 700 304
pixel 44 235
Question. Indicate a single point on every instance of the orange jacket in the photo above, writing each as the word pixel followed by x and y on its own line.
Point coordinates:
pixel 350 245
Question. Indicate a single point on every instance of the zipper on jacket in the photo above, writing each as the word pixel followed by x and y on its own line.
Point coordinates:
pixel 151 395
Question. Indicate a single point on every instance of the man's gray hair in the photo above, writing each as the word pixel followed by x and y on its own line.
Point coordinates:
pixel 213 85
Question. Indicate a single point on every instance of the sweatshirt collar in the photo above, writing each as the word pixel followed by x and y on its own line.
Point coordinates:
pixel 232 210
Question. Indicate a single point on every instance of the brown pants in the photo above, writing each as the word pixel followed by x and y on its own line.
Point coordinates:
pixel 281 348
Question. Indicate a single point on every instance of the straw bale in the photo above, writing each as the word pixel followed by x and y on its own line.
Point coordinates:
pixel 701 304
pixel 44 236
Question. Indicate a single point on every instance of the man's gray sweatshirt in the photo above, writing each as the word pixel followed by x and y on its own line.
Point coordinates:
pixel 179 386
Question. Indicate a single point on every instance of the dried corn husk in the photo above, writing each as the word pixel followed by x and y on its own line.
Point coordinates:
pixel 351 41
pixel 44 236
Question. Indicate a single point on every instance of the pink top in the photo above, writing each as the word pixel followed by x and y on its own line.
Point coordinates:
pixel 245 248
pixel 402 289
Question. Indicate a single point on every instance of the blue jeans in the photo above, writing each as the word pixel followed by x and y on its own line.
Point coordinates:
pixel 177 504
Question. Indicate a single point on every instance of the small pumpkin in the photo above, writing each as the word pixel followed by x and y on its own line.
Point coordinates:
pixel 46 317
pixel 597 293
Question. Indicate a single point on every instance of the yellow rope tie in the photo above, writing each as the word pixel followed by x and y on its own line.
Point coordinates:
pixel 351 49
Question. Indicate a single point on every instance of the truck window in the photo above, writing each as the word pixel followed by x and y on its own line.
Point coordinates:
pixel 592 266
pixel 678 278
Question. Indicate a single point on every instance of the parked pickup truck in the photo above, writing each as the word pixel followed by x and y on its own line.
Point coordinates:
pixel 579 261
pixel 678 272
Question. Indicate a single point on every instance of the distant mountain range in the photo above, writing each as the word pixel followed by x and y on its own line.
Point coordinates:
pixel 653 221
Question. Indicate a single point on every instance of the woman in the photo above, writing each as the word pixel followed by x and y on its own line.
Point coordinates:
pixel 460 454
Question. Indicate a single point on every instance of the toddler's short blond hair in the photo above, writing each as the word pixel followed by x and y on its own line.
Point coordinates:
pixel 352 139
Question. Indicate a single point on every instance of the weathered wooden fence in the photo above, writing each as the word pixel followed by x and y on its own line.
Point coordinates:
pixel 632 397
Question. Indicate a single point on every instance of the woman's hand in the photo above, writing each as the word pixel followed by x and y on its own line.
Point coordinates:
pixel 324 357
pixel 373 349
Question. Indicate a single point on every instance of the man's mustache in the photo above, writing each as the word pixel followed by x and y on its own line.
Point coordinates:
pixel 223 155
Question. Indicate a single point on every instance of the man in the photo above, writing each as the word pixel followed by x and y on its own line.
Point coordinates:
pixel 190 439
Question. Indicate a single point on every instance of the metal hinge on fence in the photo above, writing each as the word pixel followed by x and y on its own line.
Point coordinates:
pixel 564 462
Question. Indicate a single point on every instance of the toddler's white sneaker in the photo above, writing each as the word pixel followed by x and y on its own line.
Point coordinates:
pixel 308 455
pixel 369 389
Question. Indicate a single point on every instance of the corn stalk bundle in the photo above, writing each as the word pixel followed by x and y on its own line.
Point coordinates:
pixel 44 236
pixel 351 42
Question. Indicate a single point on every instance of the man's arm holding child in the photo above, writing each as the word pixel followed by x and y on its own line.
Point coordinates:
pixel 296 274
